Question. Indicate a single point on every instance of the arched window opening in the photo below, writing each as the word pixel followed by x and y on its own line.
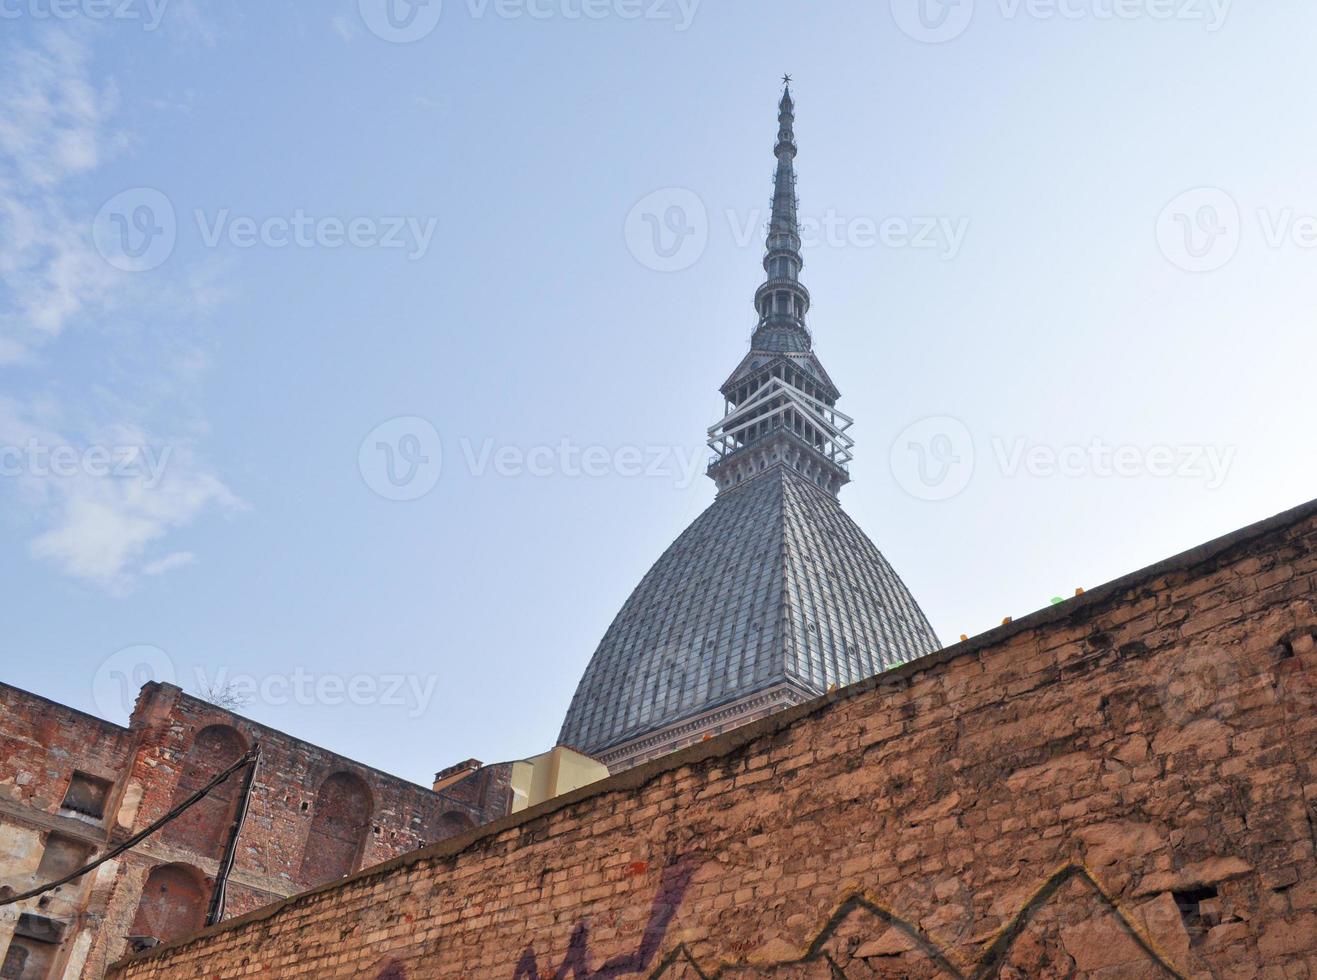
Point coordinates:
pixel 204 827
pixel 173 903
pixel 454 822
pixel 339 824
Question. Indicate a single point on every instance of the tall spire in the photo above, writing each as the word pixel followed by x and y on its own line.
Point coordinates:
pixel 774 594
pixel 781 406
pixel 782 301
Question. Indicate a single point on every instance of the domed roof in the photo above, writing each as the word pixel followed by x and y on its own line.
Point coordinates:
pixel 772 587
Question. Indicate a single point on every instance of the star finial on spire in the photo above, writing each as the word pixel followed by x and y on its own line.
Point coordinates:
pixel 786 79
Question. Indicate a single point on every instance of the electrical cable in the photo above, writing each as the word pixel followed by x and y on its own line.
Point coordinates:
pixel 137 838
pixel 220 897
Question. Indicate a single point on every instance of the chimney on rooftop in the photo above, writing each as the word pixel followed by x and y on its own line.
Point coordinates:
pixel 446 777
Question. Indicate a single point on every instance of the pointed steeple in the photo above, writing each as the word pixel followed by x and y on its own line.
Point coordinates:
pixel 782 301
pixel 780 403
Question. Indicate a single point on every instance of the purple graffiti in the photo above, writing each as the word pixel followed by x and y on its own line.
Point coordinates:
pixel 576 964
pixel 392 970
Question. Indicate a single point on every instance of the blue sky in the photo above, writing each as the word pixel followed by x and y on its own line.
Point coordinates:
pixel 1061 258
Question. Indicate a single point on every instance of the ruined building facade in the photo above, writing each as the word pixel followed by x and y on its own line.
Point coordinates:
pixel 72 786
pixel 774 595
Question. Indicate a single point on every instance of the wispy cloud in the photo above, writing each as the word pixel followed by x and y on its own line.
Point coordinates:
pixel 52 123
pixel 53 128
pixel 106 498
pixel 168 563
pixel 103 527
pixel 98 512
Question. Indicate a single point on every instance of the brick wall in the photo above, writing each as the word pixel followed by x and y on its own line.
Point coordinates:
pixel 276 845
pixel 43 746
pixel 44 742
pixel 1119 786
pixel 314 817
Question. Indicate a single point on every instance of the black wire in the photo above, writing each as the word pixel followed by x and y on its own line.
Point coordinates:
pixel 216 911
pixel 137 838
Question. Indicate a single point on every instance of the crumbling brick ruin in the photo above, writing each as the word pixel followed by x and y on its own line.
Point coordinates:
pixel 72 786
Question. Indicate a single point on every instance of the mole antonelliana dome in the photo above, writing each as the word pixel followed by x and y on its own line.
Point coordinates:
pixel 773 595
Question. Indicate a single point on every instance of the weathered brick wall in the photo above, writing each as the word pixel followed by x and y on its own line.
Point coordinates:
pixel 1120 786
pixel 405 816
pixel 294 837
pixel 42 745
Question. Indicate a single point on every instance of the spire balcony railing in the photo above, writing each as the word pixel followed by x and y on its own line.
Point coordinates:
pixel 769 404
pixel 837 460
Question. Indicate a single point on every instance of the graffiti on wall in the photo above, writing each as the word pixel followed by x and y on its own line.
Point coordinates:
pixel 673 883
pixel 900 948
pixel 860 924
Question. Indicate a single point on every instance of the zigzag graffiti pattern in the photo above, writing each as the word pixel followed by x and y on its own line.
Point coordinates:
pixel 986 967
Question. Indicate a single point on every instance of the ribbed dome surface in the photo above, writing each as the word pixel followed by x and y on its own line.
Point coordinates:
pixel 773 583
